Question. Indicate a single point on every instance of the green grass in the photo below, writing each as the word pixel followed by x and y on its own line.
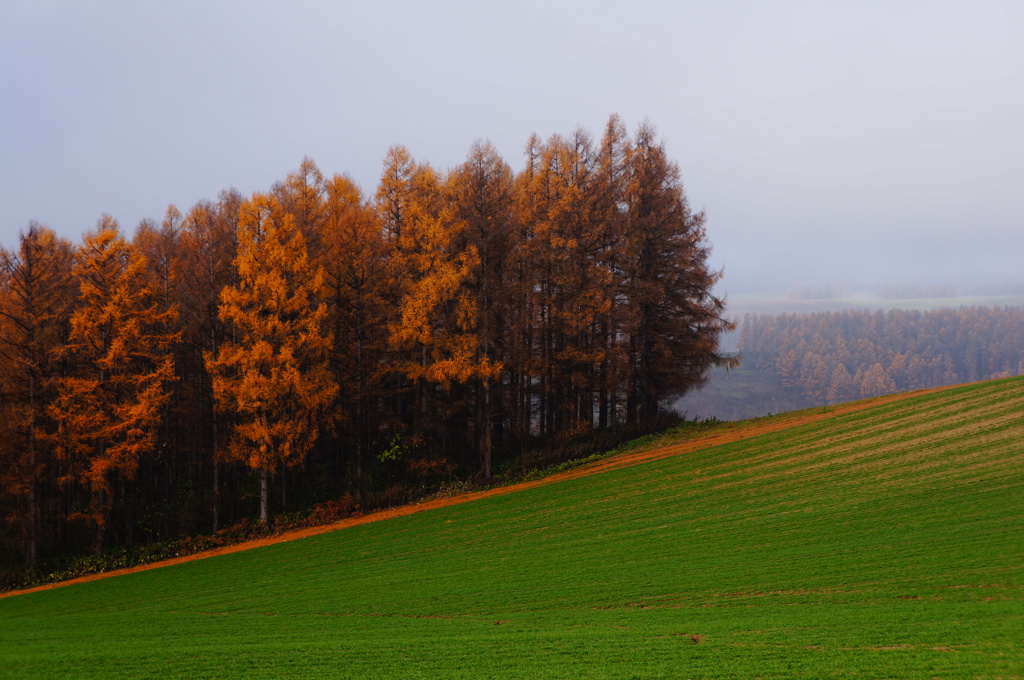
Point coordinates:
pixel 885 543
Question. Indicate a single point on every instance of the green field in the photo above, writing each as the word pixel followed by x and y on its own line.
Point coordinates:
pixel 880 544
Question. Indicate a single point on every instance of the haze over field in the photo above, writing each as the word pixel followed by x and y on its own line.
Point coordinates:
pixel 865 143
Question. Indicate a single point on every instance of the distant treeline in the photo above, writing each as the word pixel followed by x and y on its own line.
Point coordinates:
pixel 328 344
pixel 827 358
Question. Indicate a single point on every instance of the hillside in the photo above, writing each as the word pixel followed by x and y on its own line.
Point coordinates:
pixel 877 542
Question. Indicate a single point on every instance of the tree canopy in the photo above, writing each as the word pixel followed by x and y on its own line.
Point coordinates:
pixel 329 343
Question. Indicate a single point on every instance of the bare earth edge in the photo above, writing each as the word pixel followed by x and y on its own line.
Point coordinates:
pixel 730 432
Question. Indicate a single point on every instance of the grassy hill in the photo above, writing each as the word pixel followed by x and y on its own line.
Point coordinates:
pixel 887 542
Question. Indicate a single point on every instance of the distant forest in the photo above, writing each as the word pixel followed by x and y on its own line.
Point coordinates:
pixel 306 344
pixel 796 361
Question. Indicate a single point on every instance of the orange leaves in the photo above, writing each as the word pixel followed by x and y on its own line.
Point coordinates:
pixel 438 313
pixel 453 307
pixel 274 378
pixel 110 404
pixel 111 400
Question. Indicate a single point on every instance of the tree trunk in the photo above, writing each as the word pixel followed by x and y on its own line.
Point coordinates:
pixel 101 522
pixel 284 488
pixel 485 429
pixel 32 552
pixel 264 484
pixel 216 495
pixel 361 434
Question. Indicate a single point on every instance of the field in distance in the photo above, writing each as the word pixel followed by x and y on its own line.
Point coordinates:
pixel 884 542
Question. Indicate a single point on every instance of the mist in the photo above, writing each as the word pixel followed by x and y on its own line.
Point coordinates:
pixel 857 145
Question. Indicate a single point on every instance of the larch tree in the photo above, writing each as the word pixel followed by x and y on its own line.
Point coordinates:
pixel 302 195
pixel 611 210
pixel 674 320
pixel 358 267
pixel 110 405
pixel 395 190
pixel 434 335
pixel 568 240
pixel 36 297
pixel 164 251
pixel 209 245
pixel 274 376
pixel 482 194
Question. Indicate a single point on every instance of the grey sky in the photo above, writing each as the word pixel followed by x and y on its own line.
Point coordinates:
pixel 828 141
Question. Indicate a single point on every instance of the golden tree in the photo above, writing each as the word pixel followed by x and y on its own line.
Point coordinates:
pixel 568 240
pixel 274 377
pixel 355 257
pixel 481 190
pixel 302 195
pixel 110 404
pixel 395 190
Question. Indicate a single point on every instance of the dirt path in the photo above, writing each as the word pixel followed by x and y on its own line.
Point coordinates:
pixel 729 432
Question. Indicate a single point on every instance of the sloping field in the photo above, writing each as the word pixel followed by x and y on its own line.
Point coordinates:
pixel 887 542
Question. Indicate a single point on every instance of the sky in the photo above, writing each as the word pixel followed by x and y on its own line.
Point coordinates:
pixel 847 142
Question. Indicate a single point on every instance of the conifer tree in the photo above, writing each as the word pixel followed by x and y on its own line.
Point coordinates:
pixel 36 296
pixel 110 405
pixel 436 314
pixel 209 246
pixel 395 191
pixel 611 211
pixel 302 195
pixel 274 377
pixel 568 241
pixel 438 348
pixel 360 283
pixel 482 195
pixel 674 320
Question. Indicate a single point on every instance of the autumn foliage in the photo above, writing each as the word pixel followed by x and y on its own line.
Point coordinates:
pixel 251 355
pixel 272 378
pixel 827 358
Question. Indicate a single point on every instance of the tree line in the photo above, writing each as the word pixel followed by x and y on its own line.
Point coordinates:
pixel 309 341
pixel 832 357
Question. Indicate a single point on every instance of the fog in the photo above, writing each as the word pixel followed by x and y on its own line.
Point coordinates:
pixel 856 143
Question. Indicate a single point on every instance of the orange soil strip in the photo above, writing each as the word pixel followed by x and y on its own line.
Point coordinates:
pixel 732 433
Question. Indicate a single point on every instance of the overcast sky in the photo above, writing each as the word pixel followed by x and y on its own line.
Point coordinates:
pixel 848 142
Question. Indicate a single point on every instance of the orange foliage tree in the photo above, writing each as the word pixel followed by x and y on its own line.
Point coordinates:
pixel 673 320
pixel 110 404
pixel 274 377
pixel 465 318
pixel 356 259
pixel 482 195
pixel 436 333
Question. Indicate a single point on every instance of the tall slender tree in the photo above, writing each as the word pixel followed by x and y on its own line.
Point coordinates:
pixel 611 211
pixel 360 282
pixel 274 377
pixel 395 190
pixel 303 195
pixel 674 320
pixel 482 193
pixel 36 298
pixel 209 246
pixel 110 405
